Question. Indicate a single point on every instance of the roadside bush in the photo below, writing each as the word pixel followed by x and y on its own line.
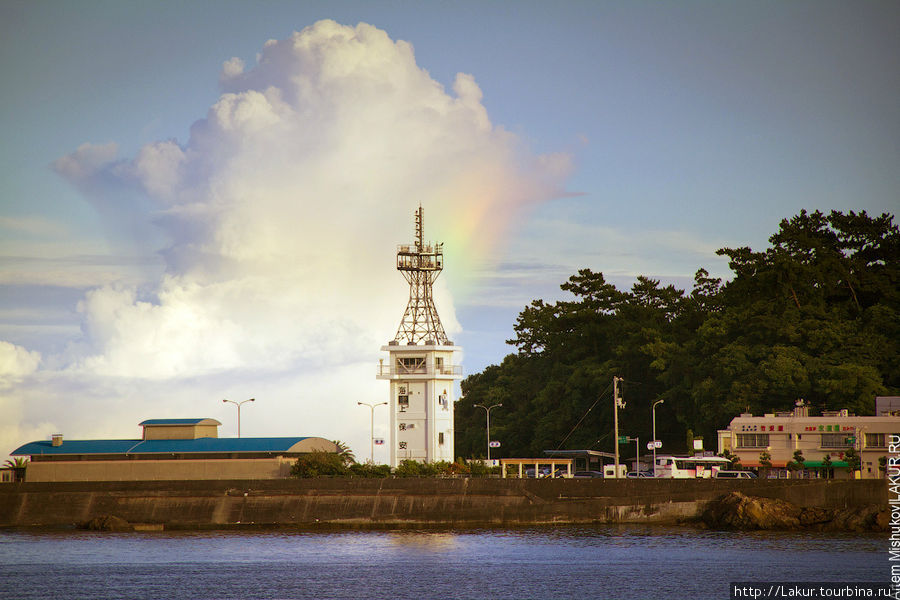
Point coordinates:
pixel 369 470
pixel 319 464
pixel 412 468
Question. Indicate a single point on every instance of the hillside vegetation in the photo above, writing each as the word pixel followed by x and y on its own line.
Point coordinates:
pixel 815 316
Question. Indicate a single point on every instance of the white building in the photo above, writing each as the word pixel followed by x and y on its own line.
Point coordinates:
pixel 420 363
pixel 421 400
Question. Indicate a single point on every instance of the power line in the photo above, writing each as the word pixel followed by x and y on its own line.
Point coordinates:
pixel 599 398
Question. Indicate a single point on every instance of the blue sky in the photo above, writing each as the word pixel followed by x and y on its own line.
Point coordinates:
pixel 629 137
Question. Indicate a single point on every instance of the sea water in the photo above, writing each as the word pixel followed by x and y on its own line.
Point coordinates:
pixel 622 562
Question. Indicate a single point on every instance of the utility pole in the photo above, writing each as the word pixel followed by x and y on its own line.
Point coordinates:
pixel 616 403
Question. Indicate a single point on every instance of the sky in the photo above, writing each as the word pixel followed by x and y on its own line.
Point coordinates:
pixel 202 200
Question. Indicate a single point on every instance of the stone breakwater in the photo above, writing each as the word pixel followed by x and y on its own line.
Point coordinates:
pixel 389 503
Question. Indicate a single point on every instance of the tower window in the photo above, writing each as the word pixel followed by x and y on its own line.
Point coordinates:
pixel 415 364
pixel 441 437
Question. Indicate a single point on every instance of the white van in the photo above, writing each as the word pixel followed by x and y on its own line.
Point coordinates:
pixel 610 471
pixel 734 475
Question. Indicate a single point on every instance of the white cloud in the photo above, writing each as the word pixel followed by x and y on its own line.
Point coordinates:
pixel 16 362
pixel 283 210
pixel 86 161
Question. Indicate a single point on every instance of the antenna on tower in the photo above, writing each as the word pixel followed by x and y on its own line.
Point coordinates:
pixel 421 263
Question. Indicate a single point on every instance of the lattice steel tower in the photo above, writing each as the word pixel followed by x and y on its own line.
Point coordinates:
pixel 420 365
pixel 421 264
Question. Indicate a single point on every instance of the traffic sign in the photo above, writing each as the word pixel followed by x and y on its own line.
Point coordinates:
pixel 657 444
pixel 494 444
pixel 379 441
pixel 623 439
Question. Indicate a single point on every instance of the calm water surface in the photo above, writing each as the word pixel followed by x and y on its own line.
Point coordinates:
pixel 621 563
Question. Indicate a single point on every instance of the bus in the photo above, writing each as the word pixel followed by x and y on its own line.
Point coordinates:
pixel 690 467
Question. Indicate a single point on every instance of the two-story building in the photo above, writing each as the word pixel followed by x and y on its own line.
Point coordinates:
pixel 830 435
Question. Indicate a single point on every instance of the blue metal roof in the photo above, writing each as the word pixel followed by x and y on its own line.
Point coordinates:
pixel 208 444
pixel 179 422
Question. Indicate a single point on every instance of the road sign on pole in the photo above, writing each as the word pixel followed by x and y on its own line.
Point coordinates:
pixel 623 439
pixel 494 444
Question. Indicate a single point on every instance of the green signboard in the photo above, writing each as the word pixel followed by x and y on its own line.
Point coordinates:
pixel 623 439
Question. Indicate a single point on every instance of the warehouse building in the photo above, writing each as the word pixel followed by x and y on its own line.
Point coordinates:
pixel 169 449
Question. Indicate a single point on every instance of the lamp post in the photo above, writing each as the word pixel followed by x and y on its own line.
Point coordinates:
pixel 238 404
pixel 371 428
pixel 653 414
pixel 487 410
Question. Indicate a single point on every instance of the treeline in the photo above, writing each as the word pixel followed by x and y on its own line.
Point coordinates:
pixel 815 316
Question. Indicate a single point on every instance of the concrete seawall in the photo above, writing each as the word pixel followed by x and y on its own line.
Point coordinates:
pixel 404 502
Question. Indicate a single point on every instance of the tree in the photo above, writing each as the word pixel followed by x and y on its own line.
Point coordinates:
pixel 345 452
pixel 765 462
pixel 734 458
pixel 826 467
pixel 815 315
pixel 851 456
pixel 18 466
pixel 797 463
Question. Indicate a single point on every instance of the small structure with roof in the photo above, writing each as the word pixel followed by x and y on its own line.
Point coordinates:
pixel 170 449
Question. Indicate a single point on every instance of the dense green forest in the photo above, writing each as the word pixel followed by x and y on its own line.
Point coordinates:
pixel 815 316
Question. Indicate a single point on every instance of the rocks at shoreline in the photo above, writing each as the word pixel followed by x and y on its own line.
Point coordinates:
pixel 106 523
pixel 748 513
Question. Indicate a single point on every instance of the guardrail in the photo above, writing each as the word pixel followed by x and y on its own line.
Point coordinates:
pixel 395 371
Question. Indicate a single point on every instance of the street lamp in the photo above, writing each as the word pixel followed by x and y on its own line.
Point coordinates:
pixel 653 414
pixel 487 410
pixel 371 427
pixel 238 404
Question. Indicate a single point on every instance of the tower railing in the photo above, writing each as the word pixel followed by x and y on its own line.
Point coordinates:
pixel 388 370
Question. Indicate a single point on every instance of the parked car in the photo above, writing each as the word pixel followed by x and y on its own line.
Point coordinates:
pixel 587 475
pixel 639 475
pixel 542 473
pixel 735 475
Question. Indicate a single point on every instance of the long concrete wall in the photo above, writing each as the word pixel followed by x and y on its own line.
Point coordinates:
pixel 402 502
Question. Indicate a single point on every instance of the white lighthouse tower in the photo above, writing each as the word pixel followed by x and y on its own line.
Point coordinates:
pixel 420 363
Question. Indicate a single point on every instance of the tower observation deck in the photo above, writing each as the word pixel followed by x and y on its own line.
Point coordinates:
pixel 421 264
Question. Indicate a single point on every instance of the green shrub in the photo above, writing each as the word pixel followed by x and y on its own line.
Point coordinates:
pixel 413 468
pixel 370 470
pixel 319 464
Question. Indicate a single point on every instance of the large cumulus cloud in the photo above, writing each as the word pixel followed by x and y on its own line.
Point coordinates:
pixel 281 214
